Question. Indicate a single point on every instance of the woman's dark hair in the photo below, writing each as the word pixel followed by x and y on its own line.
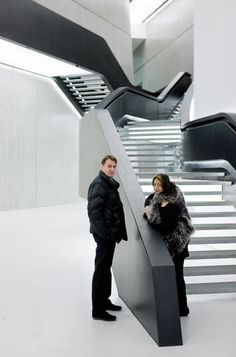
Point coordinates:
pixel 168 186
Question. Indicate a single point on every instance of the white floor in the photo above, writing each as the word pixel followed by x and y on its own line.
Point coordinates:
pixel 46 264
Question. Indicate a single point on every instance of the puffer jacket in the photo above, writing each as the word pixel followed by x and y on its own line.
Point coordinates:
pixel 105 209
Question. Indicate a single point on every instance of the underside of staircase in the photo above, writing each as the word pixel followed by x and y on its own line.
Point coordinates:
pixel 155 147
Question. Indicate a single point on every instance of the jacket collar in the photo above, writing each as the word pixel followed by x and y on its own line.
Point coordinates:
pixel 110 180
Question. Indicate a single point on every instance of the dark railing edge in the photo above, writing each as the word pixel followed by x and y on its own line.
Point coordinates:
pixel 173 84
pixel 229 118
pixel 115 94
pixel 206 160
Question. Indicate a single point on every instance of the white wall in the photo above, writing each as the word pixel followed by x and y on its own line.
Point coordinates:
pixel 39 142
pixel 214 57
pixel 168 48
pixel 107 18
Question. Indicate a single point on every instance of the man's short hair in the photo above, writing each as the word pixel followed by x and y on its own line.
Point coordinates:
pixel 108 157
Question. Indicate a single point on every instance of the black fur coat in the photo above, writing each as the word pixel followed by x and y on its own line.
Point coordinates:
pixel 173 220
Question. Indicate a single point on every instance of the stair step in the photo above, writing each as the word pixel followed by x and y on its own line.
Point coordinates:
pixel 137 152
pixel 152 158
pixel 190 189
pixel 153 123
pixel 211 288
pixel 153 128
pixel 209 203
pixel 158 130
pixel 184 174
pixel 212 240
pixel 212 278
pixel 212 254
pixel 167 142
pixel 214 226
pixel 203 221
pixel 212 214
pixel 189 182
pixel 210 270
pixel 95 96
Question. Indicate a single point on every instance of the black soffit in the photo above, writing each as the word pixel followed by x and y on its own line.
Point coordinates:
pixel 32 25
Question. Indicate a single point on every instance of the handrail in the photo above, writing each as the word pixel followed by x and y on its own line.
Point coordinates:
pixel 229 118
pixel 209 143
pixel 136 102
pixel 182 78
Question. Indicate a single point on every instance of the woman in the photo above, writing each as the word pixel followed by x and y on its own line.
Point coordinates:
pixel 166 209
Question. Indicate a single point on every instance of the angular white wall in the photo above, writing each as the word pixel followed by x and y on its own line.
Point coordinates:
pixel 214 57
pixel 39 142
pixel 168 48
pixel 107 18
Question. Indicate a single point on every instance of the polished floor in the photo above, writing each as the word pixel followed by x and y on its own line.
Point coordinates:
pixel 46 264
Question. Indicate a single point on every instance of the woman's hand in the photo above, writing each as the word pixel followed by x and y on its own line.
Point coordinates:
pixel 146 209
pixel 164 203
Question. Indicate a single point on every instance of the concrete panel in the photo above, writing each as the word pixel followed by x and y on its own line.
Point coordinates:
pixel 214 57
pixel 161 69
pixel 39 142
pixel 168 48
pixel 18 125
pixel 57 147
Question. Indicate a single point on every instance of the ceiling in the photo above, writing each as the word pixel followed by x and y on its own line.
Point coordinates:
pixel 142 10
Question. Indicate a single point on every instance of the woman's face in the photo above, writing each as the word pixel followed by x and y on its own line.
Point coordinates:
pixel 157 186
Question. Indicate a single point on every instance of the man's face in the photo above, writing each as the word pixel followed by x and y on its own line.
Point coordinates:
pixel 109 168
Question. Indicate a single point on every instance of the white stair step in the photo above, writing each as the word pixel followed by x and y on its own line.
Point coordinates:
pixel 215 233
pixel 190 188
pixel 210 247
pixel 210 279
pixel 154 127
pixel 213 220
pixel 211 288
pixel 211 208
pixel 209 262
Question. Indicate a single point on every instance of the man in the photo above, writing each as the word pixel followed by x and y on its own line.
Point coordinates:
pixel 107 224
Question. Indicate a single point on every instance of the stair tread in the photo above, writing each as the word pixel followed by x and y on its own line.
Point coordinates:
pixel 210 240
pixel 211 288
pixel 212 254
pixel 210 270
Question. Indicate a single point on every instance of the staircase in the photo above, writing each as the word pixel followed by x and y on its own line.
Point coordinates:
pixel 155 147
pixel 84 91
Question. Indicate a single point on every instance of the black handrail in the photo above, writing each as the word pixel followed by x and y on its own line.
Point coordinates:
pixel 211 139
pixel 136 102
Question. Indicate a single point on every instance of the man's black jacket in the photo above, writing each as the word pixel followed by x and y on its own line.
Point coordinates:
pixel 105 209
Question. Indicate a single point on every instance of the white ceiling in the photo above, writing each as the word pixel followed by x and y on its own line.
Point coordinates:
pixel 29 60
pixel 142 9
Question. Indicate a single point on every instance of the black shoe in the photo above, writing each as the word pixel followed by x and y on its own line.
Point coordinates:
pixel 113 307
pixel 184 312
pixel 105 316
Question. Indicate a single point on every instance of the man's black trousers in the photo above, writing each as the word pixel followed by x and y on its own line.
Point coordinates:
pixel 101 283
